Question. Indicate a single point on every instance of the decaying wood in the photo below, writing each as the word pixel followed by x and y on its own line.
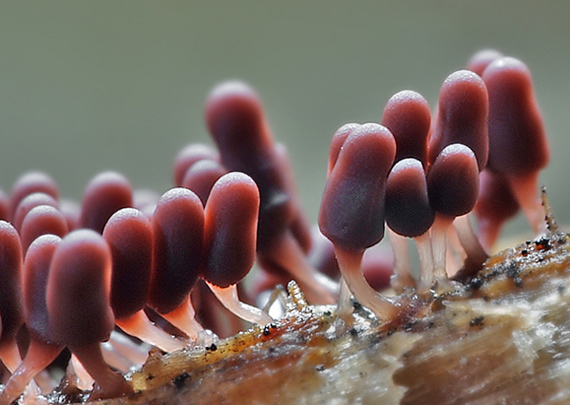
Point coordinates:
pixel 504 338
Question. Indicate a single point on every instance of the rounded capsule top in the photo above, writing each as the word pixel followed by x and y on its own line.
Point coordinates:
pixel 28 203
pixel 129 236
pixel 352 207
pixel 105 194
pixel 230 229
pixel 42 220
pixel 408 212
pixel 189 155
pixel 11 300
pixel 235 117
pixel 517 137
pixel 78 289
pixel 36 270
pixel 32 182
pixel 201 176
pixel 237 122
pixel 462 116
pixel 453 181
pixel 407 115
pixel 337 141
pixel 480 60
pixel 178 230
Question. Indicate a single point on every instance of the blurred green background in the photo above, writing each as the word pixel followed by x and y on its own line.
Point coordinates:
pixel 93 85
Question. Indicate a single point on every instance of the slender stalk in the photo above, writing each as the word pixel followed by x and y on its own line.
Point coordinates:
pixel 402 266
pixel 525 189
pixel 439 250
pixel 140 326
pixel 289 255
pixel 475 252
pixel 350 266
pixel 229 299
pixel 38 357
pixel 109 383
pixel 184 318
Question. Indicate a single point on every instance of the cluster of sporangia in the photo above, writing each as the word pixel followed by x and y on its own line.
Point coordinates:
pixel 70 274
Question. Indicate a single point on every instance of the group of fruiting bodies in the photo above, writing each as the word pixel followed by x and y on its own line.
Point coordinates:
pixel 70 274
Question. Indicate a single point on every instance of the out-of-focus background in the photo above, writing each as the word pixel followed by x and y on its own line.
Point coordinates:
pixel 92 85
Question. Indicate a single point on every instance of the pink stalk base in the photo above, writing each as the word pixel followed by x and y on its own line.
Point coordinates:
pixel 525 189
pixel 440 281
pixel 452 261
pixel 469 240
pixel 184 318
pixel 10 355
pixel 350 267
pixel 425 253
pixel 455 254
pixel 344 306
pixel 38 357
pixel 229 299
pixel 287 253
pixel 402 277
pixel 277 294
pixel 115 358
pixel 109 384
pixel 138 325
pixel 76 371
pixel 136 353
pixel 454 243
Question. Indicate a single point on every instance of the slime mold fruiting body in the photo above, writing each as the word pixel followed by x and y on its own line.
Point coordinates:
pixel 143 269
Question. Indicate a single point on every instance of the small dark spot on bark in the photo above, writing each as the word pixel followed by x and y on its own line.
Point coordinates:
pixel 408 326
pixel 180 381
pixel 353 332
pixel 476 283
pixel 543 243
pixel 477 321
pixel 512 271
